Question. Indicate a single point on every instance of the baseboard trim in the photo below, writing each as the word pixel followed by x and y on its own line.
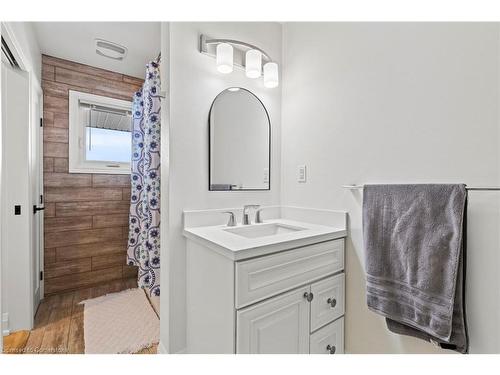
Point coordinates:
pixel 5 324
pixel 161 349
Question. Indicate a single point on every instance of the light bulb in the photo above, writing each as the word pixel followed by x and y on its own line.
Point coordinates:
pixel 253 63
pixel 271 79
pixel 224 58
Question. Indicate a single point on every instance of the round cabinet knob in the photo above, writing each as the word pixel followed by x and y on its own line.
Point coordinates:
pixel 332 302
pixel 331 348
pixel 308 296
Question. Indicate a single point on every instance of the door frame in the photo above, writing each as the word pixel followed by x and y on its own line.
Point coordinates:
pixel 36 126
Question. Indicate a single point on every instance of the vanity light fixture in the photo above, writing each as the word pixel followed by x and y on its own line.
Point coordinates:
pixel 231 53
pixel 271 75
pixel 224 58
pixel 253 63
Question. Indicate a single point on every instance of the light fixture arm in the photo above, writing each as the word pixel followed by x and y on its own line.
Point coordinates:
pixel 206 43
pixel 234 42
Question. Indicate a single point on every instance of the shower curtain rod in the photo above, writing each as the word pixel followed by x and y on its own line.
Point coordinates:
pixel 485 188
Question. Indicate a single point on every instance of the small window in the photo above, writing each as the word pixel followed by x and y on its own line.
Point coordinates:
pixel 100 130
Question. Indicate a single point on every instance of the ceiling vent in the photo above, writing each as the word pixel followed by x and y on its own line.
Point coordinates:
pixel 109 49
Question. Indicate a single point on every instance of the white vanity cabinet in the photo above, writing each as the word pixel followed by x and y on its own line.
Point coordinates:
pixel 288 323
pixel 290 301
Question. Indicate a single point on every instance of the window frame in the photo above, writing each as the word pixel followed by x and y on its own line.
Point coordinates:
pixel 77 162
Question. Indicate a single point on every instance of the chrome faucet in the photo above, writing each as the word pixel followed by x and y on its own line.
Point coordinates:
pixel 246 218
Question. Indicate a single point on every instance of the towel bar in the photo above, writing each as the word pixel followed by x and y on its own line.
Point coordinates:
pixel 485 188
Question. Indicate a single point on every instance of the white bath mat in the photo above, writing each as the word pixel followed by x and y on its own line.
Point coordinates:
pixel 121 322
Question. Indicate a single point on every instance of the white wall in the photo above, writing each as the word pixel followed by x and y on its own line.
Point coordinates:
pixel 397 103
pixel 194 83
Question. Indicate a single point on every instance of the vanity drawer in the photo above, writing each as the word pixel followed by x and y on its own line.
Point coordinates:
pixel 329 339
pixel 268 275
pixel 328 302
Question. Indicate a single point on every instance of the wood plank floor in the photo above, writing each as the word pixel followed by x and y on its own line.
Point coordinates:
pixel 59 323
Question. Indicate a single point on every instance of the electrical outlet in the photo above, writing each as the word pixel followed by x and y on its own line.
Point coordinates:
pixel 301 173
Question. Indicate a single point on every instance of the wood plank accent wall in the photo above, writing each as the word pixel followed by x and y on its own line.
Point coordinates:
pixel 86 215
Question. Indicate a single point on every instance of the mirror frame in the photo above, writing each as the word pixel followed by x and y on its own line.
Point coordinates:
pixel 210 137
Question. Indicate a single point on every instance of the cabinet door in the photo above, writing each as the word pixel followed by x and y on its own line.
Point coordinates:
pixel 329 339
pixel 328 302
pixel 278 325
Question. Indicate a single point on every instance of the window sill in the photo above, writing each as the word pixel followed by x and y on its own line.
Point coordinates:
pixel 100 170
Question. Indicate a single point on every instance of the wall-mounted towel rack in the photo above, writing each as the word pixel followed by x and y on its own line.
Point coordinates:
pixel 485 188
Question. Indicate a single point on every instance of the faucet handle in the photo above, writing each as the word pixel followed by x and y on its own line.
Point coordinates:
pixel 258 216
pixel 246 220
pixel 232 219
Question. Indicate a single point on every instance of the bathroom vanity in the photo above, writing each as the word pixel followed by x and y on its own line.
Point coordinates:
pixel 272 287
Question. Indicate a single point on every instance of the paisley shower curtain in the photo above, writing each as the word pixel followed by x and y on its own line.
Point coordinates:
pixel 144 219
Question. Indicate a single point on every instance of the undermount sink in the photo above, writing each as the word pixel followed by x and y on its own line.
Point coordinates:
pixel 264 230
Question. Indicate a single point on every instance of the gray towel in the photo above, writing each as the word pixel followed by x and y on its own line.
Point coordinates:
pixel 415 261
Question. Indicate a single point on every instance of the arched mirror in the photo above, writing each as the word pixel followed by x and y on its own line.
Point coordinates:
pixel 240 142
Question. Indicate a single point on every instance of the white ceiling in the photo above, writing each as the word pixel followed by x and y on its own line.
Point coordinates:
pixel 75 41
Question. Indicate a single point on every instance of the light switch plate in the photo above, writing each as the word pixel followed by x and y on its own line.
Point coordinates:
pixel 301 173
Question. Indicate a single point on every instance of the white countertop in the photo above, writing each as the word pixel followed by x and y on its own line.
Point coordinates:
pixel 237 247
